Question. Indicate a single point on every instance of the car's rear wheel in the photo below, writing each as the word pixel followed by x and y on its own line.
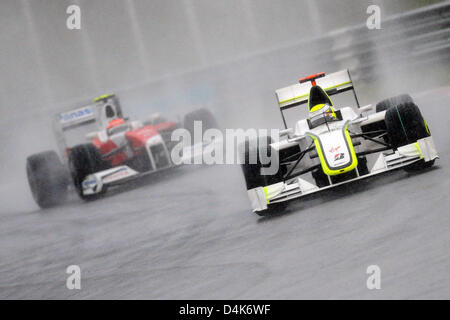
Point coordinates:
pixel 392 102
pixel 48 179
pixel 207 119
pixel 405 125
pixel 85 159
pixel 372 130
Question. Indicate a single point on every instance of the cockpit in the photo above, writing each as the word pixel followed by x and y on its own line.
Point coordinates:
pixel 320 108
pixel 318 98
pixel 323 115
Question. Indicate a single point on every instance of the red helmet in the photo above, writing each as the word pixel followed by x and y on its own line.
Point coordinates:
pixel 115 122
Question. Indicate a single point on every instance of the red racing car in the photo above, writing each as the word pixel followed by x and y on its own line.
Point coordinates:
pixel 100 148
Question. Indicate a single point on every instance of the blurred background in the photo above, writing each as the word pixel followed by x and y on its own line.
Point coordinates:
pixel 229 56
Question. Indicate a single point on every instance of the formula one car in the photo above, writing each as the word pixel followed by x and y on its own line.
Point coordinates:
pixel 117 151
pixel 333 146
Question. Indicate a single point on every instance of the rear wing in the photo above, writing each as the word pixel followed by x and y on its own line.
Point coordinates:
pixel 76 117
pixel 298 94
pixel 94 112
pixel 70 127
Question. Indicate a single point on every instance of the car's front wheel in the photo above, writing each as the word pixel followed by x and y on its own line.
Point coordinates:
pixel 405 125
pixel 252 167
pixel 85 159
pixel 48 179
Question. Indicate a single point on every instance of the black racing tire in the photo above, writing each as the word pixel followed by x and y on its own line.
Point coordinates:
pixel 363 169
pixel 272 209
pixel 320 178
pixel 252 171
pixel 205 116
pixel 85 159
pixel 405 124
pixel 419 166
pixel 48 179
pixel 393 101
pixel 383 106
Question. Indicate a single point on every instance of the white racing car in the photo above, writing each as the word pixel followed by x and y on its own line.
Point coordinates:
pixel 334 146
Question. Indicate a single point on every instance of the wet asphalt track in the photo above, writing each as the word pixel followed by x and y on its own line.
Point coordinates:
pixel 181 237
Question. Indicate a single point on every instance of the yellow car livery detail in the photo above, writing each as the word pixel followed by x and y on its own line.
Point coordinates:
pixel 316 107
pixel 416 144
pixel 426 126
pixel 265 194
pixel 328 111
pixel 103 97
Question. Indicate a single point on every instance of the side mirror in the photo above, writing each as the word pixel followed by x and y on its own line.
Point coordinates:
pixel 286 132
pixel 91 136
pixel 369 107
pixel 363 111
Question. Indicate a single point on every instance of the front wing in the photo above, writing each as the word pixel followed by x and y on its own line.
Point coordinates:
pixel 97 182
pixel 423 149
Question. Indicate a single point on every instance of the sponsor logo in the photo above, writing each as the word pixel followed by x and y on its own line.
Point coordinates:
pixel 75 115
pixel 333 149
pixel 121 173
pixel 89 183
pixel 338 156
